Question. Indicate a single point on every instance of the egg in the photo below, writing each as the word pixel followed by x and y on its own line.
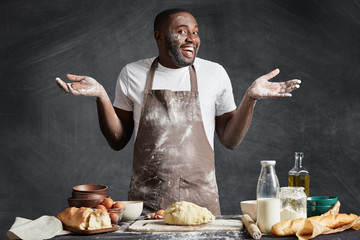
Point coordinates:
pixel 160 212
pixel 118 204
pixel 102 207
pixel 108 203
pixel 114 217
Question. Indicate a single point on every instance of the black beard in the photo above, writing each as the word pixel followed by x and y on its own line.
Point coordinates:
pixel 176 55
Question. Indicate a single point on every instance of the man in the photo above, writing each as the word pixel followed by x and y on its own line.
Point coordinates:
pixel 175 102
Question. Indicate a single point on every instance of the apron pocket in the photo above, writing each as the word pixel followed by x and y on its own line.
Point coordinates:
pixel 146 191
pixel 200 195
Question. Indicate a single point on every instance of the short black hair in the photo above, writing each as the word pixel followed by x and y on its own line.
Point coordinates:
pixel 164 16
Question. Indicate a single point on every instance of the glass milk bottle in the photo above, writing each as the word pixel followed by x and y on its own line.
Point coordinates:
pixel 298 175
pixel 267 194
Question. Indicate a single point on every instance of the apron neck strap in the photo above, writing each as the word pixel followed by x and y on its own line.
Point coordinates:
pixel 150 76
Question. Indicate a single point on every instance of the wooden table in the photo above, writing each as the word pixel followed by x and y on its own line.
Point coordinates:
pixel 239 235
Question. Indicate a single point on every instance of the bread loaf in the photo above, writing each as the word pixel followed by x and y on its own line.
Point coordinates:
pixel 287 227
pixel 85 218
pixel 99 219
pixel 290 227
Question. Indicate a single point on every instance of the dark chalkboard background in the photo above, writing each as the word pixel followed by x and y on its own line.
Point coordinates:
pixel 51 141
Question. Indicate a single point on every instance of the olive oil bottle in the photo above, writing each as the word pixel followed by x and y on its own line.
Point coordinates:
pixel 298 175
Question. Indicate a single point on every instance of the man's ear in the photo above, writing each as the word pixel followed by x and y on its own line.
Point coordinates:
pixel 158 37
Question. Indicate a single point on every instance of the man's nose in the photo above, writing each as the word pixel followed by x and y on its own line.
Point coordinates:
pixel 191 37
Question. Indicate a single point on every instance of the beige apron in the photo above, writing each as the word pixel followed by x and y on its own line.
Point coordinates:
pixel 173 159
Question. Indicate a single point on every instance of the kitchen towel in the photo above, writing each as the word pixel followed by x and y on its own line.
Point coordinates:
pixel 44 227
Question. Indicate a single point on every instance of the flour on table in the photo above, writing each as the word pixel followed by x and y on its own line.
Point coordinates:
pixel 160 226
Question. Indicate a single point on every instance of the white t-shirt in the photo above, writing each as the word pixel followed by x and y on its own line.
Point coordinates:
pixel 214 86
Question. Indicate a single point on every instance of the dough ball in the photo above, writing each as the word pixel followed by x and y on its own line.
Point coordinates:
pixel 187 213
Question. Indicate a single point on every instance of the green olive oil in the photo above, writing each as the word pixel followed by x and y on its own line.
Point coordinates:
pixel 298 175
pixel 300 181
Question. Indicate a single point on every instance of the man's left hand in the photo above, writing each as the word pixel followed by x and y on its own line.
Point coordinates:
pixel 262 88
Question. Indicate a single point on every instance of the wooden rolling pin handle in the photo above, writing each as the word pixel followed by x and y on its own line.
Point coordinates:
pixel 251 226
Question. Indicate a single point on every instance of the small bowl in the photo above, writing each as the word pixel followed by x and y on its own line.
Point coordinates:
pixel 321 201
pixel 133 210
pixel 116 214
pixel 83 202
pixel 317 210
pixel 79 195
pixel 91 188
pixel 249 207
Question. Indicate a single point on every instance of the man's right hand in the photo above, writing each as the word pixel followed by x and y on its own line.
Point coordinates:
pixel 82 85
pixel 116 124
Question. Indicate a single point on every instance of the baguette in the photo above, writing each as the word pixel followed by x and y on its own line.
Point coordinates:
pixel 287 227
pixel 85 218
pixel 290 227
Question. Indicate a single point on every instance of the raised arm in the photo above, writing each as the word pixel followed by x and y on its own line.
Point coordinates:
pixel 116 125
pixel 232 127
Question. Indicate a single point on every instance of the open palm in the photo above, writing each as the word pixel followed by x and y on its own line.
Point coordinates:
pixel 81 85
pixel 262 88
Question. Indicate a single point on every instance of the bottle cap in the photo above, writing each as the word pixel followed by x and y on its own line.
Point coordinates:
pixel 268 162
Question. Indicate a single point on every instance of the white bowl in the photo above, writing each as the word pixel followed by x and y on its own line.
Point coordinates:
pixel 249 207
pixel 133 210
